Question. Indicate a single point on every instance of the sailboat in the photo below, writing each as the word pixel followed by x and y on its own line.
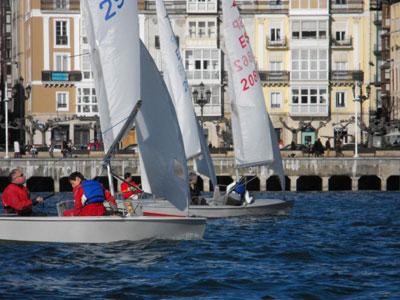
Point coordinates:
pixel 258 144
pixel 124 73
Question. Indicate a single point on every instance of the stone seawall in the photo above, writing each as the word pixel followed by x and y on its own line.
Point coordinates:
pixel 303 174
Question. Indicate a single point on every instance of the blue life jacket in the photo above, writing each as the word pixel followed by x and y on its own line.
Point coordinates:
pixel 93 191
pixel 240 188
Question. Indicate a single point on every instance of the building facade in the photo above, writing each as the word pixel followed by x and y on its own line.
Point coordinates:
pixel 53 67
pixel 314 57
pixel 395 59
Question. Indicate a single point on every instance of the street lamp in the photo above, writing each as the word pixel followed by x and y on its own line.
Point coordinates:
pixel 201 101
pixel 6 118
pixel 358 98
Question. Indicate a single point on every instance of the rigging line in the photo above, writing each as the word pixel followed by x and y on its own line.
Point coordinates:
pixel 81 54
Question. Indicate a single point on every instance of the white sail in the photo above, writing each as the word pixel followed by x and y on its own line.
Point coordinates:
pixel 204 164
pixel 113 34
pixel 175 73
pixel 159 137
pixel 179 89
pixel 253 134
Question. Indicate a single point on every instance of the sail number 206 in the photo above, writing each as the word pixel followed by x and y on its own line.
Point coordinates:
pixel 250 81
pixel 109 9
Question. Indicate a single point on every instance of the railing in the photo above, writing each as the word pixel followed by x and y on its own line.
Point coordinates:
pixel 351 6
pixel 54 5
pixel 281 43
pixel 320 110
pixel 346 43
pixel 246 7
pixel 344 75
pixel 173 7
pixel 274 76
pixel 61 76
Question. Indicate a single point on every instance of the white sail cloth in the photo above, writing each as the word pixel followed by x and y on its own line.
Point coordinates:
pixel 254 137
pixel 175 75
pixel 113 34
pixel 123 75
pixel 159 137
pixel 179 86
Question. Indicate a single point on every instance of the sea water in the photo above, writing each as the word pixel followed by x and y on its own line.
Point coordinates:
pixel 332 246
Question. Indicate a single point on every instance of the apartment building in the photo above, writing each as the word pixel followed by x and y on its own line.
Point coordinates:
pixel 53 67
pixel 395 59
pixel 5 57
pixel 315 58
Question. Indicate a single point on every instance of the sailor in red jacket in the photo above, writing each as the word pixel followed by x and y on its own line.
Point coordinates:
pixel 16 198
pixel 89 196
pixel 129 192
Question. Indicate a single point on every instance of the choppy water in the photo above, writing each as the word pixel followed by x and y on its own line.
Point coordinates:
pixel 333 246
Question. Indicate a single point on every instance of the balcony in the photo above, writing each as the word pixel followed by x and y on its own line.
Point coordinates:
pixel 200 7
pixel 264 7
pixel 347 76
pixel 61 76
pixel 277 44
pixel 172 7
pixel 60 6
pixel 351 7
pixel 377 50
pixel 309 110
pixel 274 77
pixel 342 44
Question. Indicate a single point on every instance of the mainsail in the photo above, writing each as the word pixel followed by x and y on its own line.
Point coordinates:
pixel 175 75
pixel 125 73
pixel 159 137
pixel 254 137
pixel 113 35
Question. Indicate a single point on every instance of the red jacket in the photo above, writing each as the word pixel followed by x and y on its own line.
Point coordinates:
pixel 126 192
pixel 17 197
pixel 93 209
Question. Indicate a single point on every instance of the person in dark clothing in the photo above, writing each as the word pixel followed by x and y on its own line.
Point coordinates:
pixel 293 146
pixel 195 192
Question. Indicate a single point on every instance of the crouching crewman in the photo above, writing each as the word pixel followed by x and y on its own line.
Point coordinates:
pixel 89 196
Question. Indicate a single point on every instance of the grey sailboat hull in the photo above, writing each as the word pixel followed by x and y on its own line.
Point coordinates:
pixel 99 229
pixel 261 207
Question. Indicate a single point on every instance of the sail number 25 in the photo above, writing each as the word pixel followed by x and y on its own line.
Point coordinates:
pixel 110 10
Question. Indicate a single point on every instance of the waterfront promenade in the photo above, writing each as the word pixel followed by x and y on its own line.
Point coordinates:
pixel 302 173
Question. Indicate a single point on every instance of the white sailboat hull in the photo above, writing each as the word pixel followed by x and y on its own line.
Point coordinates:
pixel 261 207
pixel 99 229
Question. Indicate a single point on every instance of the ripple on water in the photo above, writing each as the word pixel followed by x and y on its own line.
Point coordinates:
pixel 334 245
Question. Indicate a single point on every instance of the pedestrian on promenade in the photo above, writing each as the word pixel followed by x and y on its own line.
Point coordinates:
pixel 16 198
pixel 17 150
pixel 328 147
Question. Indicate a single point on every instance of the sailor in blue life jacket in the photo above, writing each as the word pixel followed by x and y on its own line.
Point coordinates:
pixel 89 196
pixel 237 194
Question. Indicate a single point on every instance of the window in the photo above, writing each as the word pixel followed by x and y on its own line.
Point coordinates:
pixel 309 64
pixel 201 6
pixel 340 35
pixel 203 64
pixel 61 38
pixel 309 29
pixel 275 66
pixel 275 34
pixel 61 62
pixel 340 2
pixel 341 66
pixel 61 4
pixel 87 101
pixel 309 96
pixel 62 101
pixel 157 42
pixel 340 99
pixel 202 29
pixel 276 100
